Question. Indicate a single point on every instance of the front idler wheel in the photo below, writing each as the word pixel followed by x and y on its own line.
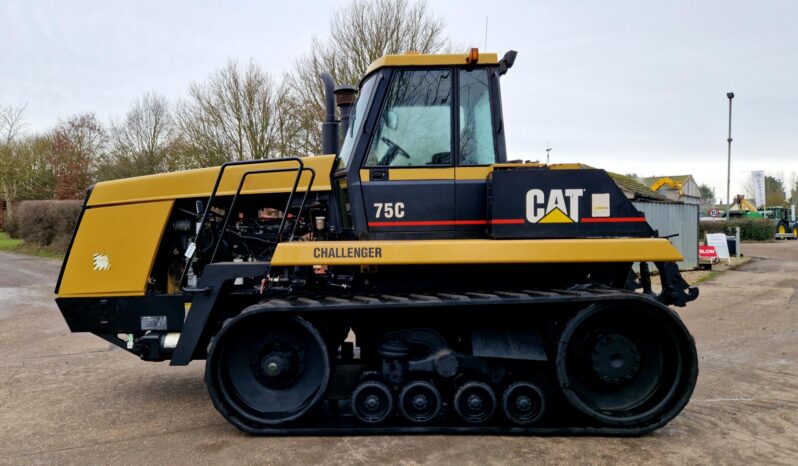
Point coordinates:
pixel 627 364
pixel 264 371
pixel 420 402
pixel 372 402
pixel 523 403
pixel 475 402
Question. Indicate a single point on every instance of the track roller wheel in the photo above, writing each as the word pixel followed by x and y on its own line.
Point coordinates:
pixel 523 403
pixel 264 370
pixel 475 402
pixel 420 402
pixel 627 364
pixel 372 402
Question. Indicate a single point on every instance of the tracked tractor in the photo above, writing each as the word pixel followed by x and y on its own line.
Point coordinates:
pixel 411 279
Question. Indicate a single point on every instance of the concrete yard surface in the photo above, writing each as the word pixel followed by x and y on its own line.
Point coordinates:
pixel 72 398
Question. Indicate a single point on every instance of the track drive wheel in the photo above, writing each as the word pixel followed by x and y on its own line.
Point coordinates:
pixel 420 402
pixel 264 371
pixel 627 364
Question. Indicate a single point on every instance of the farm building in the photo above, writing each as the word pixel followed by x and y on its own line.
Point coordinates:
pixel 670 217
pixel 681 188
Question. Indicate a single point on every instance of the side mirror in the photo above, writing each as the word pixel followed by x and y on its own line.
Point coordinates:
pixel 391 119
pixel 507 62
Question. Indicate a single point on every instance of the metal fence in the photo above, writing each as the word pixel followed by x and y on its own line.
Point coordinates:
pixel 675 219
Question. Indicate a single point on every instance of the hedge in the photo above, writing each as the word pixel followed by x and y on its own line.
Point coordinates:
pixel 47 224
pixel 751 229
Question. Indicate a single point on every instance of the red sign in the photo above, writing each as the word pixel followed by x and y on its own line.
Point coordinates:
pixel 707 252
pixel 714 213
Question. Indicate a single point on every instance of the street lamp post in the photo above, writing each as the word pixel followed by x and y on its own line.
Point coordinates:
pixel 730 95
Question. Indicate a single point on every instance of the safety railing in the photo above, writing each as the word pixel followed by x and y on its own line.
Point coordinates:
pixel 300 169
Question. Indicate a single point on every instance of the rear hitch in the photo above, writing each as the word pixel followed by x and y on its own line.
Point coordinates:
pixel 675 290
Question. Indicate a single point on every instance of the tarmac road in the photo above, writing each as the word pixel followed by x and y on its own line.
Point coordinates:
pixel 71 398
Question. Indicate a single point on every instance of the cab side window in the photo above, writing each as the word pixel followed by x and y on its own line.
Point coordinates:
pixel 415 126
pixel 476 123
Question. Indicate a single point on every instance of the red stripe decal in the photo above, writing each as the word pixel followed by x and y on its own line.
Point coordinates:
pixel 613 219
pixel 497 221
pixel 507 221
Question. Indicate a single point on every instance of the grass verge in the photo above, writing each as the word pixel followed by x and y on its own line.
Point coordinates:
pixel 709 276
pixel 701 276
pixel 18 246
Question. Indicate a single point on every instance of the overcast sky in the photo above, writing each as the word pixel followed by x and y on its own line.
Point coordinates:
pixel 629 86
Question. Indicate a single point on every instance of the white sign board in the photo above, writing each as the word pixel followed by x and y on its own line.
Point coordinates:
pixel 718 240
pixel 759 187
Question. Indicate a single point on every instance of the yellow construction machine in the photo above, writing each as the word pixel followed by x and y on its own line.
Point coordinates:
pixel 411 279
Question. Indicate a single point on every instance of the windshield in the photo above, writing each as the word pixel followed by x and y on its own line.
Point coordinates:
pixel 415 128
pixel 356 118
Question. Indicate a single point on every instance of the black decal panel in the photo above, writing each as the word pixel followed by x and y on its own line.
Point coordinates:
pixel 540 203
pixel 426 205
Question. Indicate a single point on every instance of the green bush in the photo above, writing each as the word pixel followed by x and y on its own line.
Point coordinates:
pixel 751 229
pixel 47 224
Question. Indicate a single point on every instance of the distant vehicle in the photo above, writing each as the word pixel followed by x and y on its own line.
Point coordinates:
pixel 786 228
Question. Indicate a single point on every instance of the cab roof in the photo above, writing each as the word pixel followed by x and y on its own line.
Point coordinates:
pixel 418 59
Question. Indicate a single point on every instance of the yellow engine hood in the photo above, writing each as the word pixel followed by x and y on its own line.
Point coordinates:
pixel 199 182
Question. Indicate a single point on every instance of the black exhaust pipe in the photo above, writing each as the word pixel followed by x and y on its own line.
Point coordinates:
pixel 329 129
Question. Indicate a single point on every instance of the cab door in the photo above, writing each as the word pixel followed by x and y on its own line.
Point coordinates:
pixel 477 149
pixel 407 177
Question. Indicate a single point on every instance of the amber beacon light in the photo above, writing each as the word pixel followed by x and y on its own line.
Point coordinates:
pixel 473 56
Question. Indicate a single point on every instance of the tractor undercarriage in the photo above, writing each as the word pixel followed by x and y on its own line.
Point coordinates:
pixel 591 360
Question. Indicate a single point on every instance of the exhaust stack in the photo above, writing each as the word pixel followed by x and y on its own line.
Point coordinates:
pixel 329 129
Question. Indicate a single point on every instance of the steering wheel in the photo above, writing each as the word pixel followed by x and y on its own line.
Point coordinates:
pixel 392 152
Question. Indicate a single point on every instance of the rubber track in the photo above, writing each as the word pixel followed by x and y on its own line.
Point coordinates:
pixel 311 304
pixel 405 301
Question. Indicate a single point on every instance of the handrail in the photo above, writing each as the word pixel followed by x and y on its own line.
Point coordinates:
pixel 215 190
pixel 301 205
pixel 300 171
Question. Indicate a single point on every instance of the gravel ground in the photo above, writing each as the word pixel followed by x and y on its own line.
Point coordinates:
pixel 71 398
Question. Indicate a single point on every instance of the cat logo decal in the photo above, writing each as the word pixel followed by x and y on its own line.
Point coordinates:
pixel 559 206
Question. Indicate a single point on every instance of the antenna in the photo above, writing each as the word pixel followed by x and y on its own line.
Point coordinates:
pixel 486 33
pixel 548 149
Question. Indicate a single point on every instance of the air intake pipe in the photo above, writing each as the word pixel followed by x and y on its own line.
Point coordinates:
pixel 344 98
pixel 329 129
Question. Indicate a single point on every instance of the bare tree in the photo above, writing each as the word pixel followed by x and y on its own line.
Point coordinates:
pixel 707 194
pixel 140 142
pixel 360 32
pixel 231 116
pixel 12 170
pixel 77 144
pixel 12 122
pixel 774 191
pixel 792 187
pixel 24 171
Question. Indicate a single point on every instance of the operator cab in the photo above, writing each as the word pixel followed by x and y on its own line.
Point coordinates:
pixel 419 146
